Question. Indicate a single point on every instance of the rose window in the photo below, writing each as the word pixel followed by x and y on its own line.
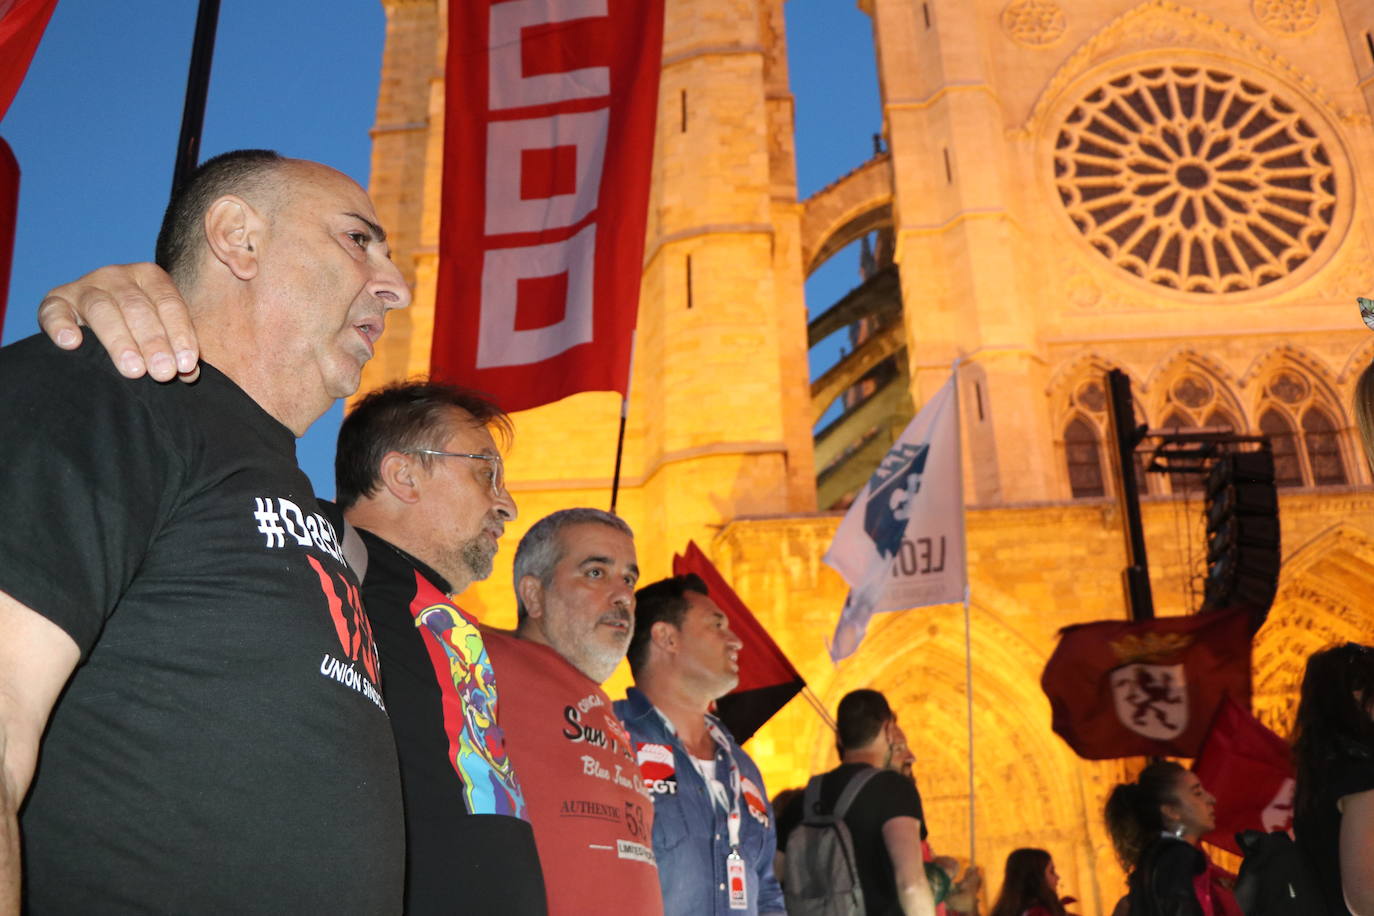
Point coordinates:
pixel 1195 179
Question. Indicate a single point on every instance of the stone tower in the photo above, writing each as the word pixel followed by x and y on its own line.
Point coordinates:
pixel 1179 190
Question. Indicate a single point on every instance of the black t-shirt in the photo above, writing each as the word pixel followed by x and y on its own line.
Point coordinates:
pixel 886 795
pixel 1318 830
pixel 470 849
pixel 222 747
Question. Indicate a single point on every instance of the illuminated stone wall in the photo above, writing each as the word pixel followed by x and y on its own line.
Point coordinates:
pixel 1033 147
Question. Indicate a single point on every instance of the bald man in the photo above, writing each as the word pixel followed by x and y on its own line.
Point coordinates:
pixel 183 639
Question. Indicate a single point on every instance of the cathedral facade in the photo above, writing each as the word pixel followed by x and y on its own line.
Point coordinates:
pixel 1180 190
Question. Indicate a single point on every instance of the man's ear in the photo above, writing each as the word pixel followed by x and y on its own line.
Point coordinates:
pixel 531 595
pixel 664 635
pixel 397 473
pixel 234 230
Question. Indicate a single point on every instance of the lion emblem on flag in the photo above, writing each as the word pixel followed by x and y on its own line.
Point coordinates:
pixel 1151 700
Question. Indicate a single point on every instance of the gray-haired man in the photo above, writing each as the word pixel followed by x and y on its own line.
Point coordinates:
pixel 575 573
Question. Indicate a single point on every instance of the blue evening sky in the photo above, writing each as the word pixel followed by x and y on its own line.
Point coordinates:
pixel 95 127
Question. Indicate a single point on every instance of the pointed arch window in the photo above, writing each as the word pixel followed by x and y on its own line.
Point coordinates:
pixel 1284 441
pixel 1304 430
pixel 1084 453
pixel 1323 447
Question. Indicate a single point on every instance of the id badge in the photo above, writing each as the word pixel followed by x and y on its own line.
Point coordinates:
pixel 735 875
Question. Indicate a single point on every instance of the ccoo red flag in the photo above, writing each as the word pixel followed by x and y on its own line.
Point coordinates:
pixel 1250 771
pixel 21 26
pixel 548 142
pixel 767 679
pixel 9 211
pixel 1121 689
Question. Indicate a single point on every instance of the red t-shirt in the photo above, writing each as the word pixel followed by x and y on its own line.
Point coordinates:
pixel 592 816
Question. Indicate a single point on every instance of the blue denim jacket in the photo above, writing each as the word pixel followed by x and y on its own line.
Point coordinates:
pixel 691 839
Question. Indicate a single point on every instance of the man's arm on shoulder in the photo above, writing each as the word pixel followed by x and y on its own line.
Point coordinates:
pixel 36 659
pixel 1357 852
pixel 135 311
pixel 902 836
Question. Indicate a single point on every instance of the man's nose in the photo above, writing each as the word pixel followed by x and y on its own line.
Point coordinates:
pixel 733 641
pixel 505 505
pixel 388 286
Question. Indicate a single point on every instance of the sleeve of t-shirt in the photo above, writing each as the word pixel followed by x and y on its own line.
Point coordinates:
pixel 85 471
pixel 890 794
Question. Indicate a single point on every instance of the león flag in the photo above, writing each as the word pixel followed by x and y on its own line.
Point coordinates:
pixel 1122 689
pixel 901 544
pixel 767 679
pixel 1250 771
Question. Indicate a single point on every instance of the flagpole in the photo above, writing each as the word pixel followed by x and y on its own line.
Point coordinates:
pixel 968 680
pixel 620 436
pixel 197 88
pixel 968 648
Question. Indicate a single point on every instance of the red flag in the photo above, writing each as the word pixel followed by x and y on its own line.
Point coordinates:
pixel 21 26
pixel 1250 771
pixel 767 679
pixel 1121 689
pixel 548 142
pixel 9 211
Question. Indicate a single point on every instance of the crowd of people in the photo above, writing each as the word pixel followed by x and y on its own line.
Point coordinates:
pixel 220 694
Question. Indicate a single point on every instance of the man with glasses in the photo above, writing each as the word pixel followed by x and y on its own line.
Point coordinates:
pixel 420 478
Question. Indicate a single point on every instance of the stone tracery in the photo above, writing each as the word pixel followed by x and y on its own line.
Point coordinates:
pixel 1195 179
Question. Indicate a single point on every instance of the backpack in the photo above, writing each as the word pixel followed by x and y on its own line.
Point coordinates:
pixel 820 873
pixel 1275 878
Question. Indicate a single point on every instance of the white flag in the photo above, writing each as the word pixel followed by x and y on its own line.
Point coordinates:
pixel 901 545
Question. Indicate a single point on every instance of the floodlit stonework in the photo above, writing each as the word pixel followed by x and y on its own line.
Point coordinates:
pixel 1179 190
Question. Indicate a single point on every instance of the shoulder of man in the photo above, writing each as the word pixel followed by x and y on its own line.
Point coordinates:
pixel 638 713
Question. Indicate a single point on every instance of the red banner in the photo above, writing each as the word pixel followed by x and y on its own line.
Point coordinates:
pixel 767 679
pixel 548 142
pixel 1250 771
pixel 9 214
pixel 21 26
pixel 1120 689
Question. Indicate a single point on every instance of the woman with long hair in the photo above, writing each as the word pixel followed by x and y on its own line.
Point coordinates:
pixel 1156 824
pixel 1333 748
pixel 1031 886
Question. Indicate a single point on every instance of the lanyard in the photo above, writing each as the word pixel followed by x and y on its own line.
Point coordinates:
pixel 729 803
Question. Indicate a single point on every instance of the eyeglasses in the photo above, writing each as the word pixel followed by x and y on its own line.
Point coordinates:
pixel 498 472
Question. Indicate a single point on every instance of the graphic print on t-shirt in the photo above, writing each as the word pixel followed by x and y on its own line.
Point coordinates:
pixel 477 745
pixel 284 524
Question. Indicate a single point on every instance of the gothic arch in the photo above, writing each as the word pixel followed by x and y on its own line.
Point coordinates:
pixel 1027 783
pixel 1290 387
pixel 1185 362
pixel 846 210
pixel 1359 357
pixel 1325 589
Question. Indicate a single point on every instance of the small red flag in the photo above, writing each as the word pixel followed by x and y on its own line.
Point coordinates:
pixel 1250 771
pixel 767 679
pixel 548 142
pixel 1122 689
pixel 9 212
pixel 21 26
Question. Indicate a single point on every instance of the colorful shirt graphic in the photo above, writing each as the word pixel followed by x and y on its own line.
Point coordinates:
pixel 477 745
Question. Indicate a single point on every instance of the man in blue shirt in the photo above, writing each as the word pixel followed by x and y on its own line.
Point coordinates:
pixel 714 834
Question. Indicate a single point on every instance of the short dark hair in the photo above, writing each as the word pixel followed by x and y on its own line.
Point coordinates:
pixel 859 718
pixel 542 547
pixel 398 417
pixel 245 172
pixel 664 600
